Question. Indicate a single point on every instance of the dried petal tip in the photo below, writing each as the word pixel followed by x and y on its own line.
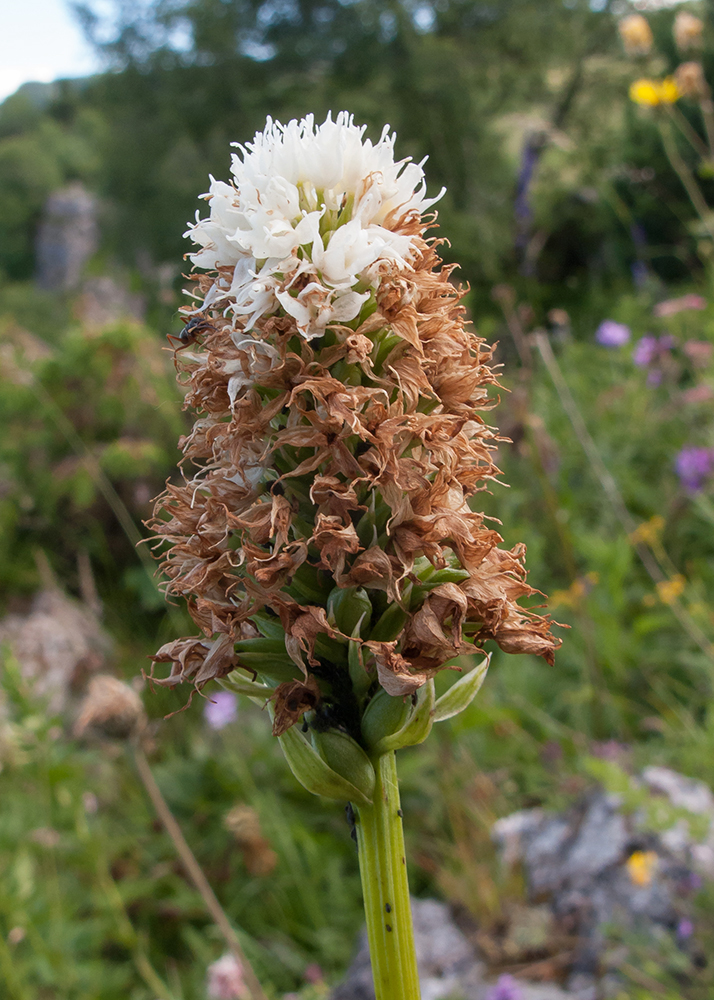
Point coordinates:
pixel 110 709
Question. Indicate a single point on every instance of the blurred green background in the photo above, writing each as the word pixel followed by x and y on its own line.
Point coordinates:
pixel 563 211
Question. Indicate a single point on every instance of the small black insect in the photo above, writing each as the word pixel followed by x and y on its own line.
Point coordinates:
pixel 352 820
pixel 196 325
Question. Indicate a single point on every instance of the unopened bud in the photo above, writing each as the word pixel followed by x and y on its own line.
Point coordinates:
pixel 687 31
pixel 347 607
pixel 111 709
pixel 310 767
pixel 691 80
pixel 259 857
pixel 243 823
pixel 384 715
pixel 636 35
pixel 346 758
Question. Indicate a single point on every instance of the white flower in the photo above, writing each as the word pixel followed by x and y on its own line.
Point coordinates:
pixel 225 980
pixel 316 202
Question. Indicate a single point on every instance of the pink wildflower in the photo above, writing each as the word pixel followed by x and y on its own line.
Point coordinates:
pixel 225 979
pixel 673 306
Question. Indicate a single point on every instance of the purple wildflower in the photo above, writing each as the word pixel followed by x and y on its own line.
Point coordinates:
pixel 612 334
pixel 649 348
pixel 694 881
pixel 693 466
pixel 685 929
pixel 608 749
pixel 506 988
pixel 646 350
pixel 220 709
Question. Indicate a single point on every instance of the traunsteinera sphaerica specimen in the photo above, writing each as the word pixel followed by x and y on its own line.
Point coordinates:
pixel 324 538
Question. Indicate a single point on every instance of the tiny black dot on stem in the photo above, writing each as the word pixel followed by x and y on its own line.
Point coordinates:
pixel 399 812
pixel 388 907
pixel 388 926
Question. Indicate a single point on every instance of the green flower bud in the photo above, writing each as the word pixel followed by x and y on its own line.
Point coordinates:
pixel 267 657
pixel 383 716
pixel 416 728
pixel 316 775
pixel 346 758
pixel 389 625
pixel 271 647
pixel 347 607
pixel 306 585
pixel 434 579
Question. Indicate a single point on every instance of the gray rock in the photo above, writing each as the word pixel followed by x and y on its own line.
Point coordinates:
pixel 105 301
pixel 447 962
pixel 67 238
pixel 599 841
pixel 449 968
pixel 584 865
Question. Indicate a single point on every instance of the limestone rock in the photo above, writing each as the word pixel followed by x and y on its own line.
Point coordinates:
pixel 67 238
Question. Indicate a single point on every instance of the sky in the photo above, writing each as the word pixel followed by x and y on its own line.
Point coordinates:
pixel 41 41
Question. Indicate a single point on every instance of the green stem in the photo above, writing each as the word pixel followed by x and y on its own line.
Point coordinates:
pixel 383 867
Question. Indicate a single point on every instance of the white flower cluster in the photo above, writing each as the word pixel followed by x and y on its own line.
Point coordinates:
pixel 306 222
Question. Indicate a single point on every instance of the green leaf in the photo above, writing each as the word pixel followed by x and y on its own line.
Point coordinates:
pixel 244 685
pixel 462 693
pixel 268 625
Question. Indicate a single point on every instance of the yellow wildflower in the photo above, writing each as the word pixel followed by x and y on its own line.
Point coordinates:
pixel 649 531
pixel 669 91
pixel 572 597
pixel 653 92
pixel 636 35
pixel 641 866
pixel 645 92
pixel 669 590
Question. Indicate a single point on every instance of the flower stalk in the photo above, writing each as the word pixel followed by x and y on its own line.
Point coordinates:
pixel 383 869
